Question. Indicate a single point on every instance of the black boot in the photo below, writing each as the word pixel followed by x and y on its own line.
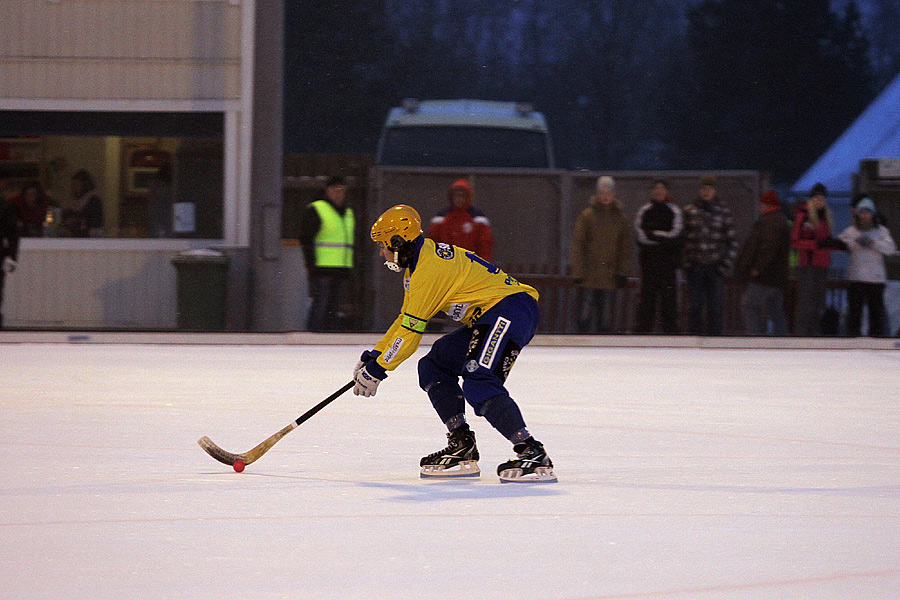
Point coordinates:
pixel 458 459
pixel 531 465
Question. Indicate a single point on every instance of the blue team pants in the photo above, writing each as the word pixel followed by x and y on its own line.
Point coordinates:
pixel 482 357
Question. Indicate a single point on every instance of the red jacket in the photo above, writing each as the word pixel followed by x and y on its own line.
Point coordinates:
pixel 806 235
pixel 464 226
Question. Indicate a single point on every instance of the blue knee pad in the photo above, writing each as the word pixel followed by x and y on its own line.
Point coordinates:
pixel 444 362
pixel 481 386
pixel 447 399
pixel 504 415
pixel 430 373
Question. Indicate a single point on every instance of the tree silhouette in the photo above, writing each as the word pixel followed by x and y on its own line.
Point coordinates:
pixel 771 84
pixel 756 84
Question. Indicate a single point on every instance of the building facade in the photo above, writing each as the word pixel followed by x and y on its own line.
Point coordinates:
pixel 154 100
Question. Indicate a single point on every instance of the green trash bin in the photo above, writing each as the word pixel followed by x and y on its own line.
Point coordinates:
pixel 202 289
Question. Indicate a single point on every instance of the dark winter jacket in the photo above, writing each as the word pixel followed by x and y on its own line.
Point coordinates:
pixel 709 235
pixel 764 256
pixel 9 231
pixel 659 228
pixel 601 246
pixel 89 216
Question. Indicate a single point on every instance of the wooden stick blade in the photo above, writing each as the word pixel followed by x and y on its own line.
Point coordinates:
pixel 211 448
pixel 249 457
pixel 253 455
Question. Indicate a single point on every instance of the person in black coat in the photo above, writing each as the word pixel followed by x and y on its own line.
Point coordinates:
pixel 763 265
pixel 85 218
pixel 9 243
pixel 659 225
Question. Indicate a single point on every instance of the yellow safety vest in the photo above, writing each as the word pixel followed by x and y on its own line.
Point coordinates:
pixel 334 242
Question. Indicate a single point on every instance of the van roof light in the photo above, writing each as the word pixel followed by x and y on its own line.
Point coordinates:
pixel 411 105
pixel 524 108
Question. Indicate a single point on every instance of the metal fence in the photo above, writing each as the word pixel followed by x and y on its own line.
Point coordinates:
pixel 533 213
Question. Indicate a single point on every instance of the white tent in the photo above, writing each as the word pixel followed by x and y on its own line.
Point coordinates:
pixel 874 134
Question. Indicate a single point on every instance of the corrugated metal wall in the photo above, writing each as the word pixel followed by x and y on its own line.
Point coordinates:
pixel 120 49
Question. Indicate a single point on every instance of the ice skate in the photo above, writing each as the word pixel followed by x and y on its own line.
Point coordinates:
pixel 458 459
pixel 531 465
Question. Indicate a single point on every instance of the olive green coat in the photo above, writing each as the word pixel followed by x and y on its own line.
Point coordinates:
pixel 602 246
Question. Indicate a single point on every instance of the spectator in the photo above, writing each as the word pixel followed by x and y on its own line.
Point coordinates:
pixel 327 234
pixel 9 243
pixel 32 206
pixel 868 243
pixel 710 248
pixel 462 224
pixel 659 225
pixel 762 264
pixel 600 257
pixel 85 217
pixel 810 235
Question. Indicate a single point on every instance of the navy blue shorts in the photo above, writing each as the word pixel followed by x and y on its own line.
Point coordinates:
pixel 484 354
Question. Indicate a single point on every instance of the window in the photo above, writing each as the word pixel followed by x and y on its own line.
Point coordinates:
pixel 116 174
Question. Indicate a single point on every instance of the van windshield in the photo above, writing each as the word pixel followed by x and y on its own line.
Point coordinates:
pixel 459 146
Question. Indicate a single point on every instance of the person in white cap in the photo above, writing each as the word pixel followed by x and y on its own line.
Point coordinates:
pixel 600 258
pixel 868 243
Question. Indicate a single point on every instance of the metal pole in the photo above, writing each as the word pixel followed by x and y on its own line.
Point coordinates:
pixel 266 166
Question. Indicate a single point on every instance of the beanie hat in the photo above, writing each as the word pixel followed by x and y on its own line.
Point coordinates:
pixel 605 182
pixel 770 198
pixel 818 190
pixel 866 204
pixel 709 180
pixel 335 180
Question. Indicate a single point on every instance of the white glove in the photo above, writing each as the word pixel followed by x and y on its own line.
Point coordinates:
pixel 366 383
pixel 9 265
pixel 366 357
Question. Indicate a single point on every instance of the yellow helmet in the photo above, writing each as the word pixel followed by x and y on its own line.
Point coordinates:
pixel 399 221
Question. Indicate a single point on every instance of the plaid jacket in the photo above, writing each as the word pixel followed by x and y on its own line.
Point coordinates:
pixel 709 235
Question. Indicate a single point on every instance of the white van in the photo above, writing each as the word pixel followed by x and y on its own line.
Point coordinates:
pixel 465 133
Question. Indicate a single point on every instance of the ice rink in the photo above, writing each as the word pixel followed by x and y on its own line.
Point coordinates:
pixel 684 473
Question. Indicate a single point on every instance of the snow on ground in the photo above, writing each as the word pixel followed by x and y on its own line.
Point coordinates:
pixel 683 473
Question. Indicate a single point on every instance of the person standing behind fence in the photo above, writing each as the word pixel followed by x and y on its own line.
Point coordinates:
pixel 763 265
pixel 327 234
pixel 659 225
pixel 810 236
pixel 84 218
pixel 600 257
pixel 868 243
pixel 32 207
pixel 709 252
pixel 462 223
pixel 9 243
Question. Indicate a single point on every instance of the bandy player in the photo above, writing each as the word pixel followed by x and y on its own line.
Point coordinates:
pixel 500 316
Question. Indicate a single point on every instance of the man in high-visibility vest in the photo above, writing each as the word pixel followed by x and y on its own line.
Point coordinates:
pixel 327 232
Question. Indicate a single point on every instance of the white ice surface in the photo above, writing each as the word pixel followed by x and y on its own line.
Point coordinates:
pixel 683 474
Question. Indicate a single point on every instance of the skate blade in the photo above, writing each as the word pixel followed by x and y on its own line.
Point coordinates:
pixel 467 468
pixel 540 475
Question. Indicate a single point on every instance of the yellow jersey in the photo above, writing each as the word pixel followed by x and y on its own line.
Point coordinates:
pixel 449 279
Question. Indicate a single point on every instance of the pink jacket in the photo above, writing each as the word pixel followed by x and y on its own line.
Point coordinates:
pixel 807 234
